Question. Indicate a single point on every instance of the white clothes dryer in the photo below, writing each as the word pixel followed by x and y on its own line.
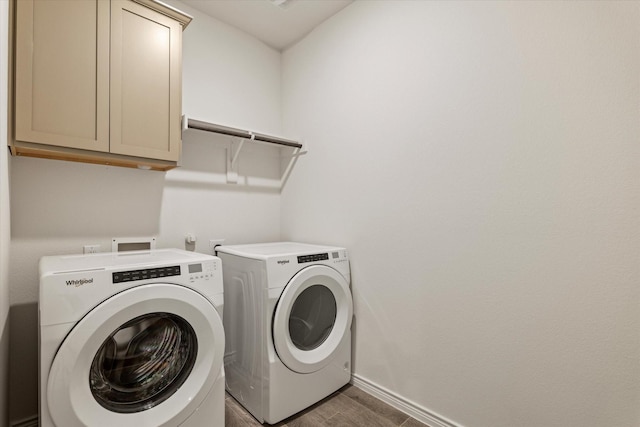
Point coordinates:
pixel 131 339
pixel 288 325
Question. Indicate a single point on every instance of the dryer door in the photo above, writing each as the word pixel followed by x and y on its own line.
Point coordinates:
pixel 147 356
pixel 312 318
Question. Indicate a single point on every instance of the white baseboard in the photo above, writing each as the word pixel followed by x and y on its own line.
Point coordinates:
pixel 412 409
pixel 26 422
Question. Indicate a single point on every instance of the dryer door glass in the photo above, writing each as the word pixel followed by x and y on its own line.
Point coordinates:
pixel 312 317
pixel 143 362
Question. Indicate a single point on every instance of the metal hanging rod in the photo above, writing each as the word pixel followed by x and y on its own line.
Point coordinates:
pixel 240 133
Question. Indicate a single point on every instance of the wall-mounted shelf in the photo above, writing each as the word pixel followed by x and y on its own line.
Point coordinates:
pixel 240 133
pixel 239 137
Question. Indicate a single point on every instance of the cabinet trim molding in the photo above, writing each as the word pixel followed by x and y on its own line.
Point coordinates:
pixel 28 149
pixel 167 10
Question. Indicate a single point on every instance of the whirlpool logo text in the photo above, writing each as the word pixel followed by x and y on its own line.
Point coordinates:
pixel 80 282
pixel 283 261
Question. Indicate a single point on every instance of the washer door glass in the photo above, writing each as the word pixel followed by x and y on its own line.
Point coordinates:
pixel 147 356
pixel 143 362
pixel 312 317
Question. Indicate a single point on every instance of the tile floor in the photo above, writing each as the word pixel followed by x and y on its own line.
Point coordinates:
pixel 348 407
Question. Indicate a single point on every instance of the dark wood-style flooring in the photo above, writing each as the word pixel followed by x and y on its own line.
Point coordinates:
pixel 347 407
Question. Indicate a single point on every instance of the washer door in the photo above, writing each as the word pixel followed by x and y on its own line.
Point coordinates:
pixel 147 356
pixel 311 319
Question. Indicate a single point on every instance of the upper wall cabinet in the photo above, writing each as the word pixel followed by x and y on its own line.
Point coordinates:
pixel 99 81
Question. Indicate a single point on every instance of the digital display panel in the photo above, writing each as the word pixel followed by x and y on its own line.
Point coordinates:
pixel 195 268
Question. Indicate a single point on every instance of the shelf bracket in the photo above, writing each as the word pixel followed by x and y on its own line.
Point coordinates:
pixel 232 159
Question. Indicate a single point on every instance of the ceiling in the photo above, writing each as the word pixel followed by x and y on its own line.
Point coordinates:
pixel 278 23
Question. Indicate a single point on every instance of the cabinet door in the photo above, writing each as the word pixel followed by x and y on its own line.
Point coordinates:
pixel 62 73
pixel 145 82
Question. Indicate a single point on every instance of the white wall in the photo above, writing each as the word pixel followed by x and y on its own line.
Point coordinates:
pixel 229 78
pixel 481 162
pixel 5 236
pixel 57 207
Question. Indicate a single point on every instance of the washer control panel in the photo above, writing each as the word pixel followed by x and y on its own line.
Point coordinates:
pixel 145 274
pixel 201 271
pixel 195 271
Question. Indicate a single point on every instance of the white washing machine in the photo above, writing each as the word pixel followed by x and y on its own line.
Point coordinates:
pixel 131 339
pixel 288 325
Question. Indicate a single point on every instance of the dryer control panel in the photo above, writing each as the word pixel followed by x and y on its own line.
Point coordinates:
pixel 335 256
pixel 313 258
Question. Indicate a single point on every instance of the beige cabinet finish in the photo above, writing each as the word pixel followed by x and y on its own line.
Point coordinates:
pixel 62 73
pixel 99 81
pixel 145 82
